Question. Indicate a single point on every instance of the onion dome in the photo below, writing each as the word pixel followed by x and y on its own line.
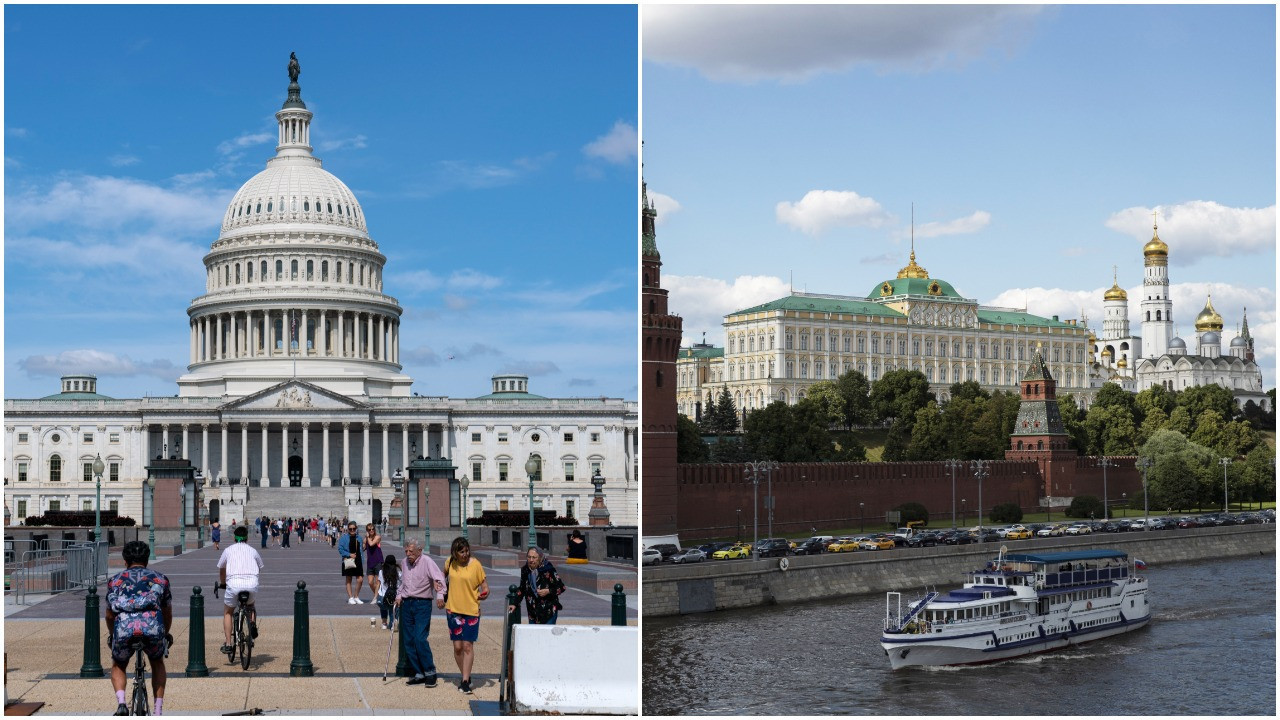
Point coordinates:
pixel 1238 341
pixel 912 270
pixel 1155 251
pixel 1210 338
pixel 1208 319
pixel 1122 363
pixel 1106 352
pixel 1116 292
pixel 1178 343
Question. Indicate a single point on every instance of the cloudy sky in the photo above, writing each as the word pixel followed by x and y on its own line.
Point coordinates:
pixel 787 145
pixel 493 150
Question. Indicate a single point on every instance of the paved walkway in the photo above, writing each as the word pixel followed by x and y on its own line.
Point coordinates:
pixel 44 644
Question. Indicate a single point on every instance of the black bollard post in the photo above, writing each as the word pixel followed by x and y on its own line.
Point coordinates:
pixel 402 659
pixel 195 650
pixel 301 665
pixel 92 665
pixel 619 606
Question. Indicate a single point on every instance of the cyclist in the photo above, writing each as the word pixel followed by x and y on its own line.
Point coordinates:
pixel 139 604
pixel 238 570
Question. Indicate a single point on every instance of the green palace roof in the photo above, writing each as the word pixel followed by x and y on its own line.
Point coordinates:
pixel 1014 317
pixel 931 287
pixel 511 396
pixel 702 353
pixel 812 303
pixel 76 396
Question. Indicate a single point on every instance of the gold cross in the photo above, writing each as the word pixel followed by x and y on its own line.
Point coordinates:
pixel 1154 223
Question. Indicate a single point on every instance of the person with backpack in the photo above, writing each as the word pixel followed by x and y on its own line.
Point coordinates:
pixel 139 604
pixel 388 584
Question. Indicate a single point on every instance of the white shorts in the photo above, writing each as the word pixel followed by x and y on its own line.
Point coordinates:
pixel 235 585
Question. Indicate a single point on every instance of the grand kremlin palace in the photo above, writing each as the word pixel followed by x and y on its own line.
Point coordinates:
pixel 294 402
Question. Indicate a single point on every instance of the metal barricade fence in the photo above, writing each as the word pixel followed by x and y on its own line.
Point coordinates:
pixel 54 571
pixel 13 551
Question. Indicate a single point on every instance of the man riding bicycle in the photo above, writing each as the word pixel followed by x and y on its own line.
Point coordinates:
pixel 238 570
pixel 139 604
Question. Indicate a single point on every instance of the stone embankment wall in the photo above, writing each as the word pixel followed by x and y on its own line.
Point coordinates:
pixel 722 585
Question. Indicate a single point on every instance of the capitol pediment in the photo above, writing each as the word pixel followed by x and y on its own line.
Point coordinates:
pixel 293 395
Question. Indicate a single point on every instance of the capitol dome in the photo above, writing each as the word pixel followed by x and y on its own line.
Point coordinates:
pixel 294 192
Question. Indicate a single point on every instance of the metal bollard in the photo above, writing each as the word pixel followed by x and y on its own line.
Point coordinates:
pixel 92 665
pixel 619 606
pixel 402 660
pixel 301 665
pixel 195 650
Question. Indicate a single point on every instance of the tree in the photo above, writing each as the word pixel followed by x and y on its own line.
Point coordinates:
pixel 912 512
pixel 1179 421
pixel 1156 397
pixel 1110 430
pixel 1085 506
pixel 788 433
pixel 1112 395
pixel 1006 513
pixel 827 400
pixel 855 390
pixel 1183 474
pixel 726 413
pixel 1259 474
pixel 928 435
pixel 899 394
pixel 729 449
pixel 1073 422
pixel 968 390
pixel 1155 421
pixel 1208 397
pixel 899 438
pixel 1208 429
pixel 690 448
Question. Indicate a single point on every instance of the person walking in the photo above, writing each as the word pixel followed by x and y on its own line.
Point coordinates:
pixel 286 529
pixel 139 604
pixel 388 583
pixel 262 528
pixel 215 534
pixel 373 556
pixel 540 587
pixel 420 582
pixel 275 532
pixel 349 547
pixel 467 586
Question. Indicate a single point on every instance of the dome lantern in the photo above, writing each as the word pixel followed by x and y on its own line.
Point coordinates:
pixel 912 270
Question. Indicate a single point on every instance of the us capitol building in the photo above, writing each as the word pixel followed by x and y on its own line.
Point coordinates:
pixel 295 403
pixel 777 350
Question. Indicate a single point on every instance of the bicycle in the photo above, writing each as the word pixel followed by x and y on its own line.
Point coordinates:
pixel 139 703
pixel 241 634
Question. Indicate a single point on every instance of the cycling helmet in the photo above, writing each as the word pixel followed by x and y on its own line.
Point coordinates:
pixel 136 553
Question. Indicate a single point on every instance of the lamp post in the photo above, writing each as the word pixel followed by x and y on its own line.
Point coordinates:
pixel 963 512
pixel 953 464
pixel 426 518
pixel 182 518
pixel 1124 503
pixel 397 482
pixel 752 471
pixel 98 467
pixel 981 468
pixel 463 483
pixel 1224 462
pixel 862 526
pixel 199 477
pixel 531 468
pixel 1106 506
pixel 1144 463
pixel 151 502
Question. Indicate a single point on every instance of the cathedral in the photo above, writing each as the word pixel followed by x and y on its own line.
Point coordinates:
pixel 294 401
pixel 1163 358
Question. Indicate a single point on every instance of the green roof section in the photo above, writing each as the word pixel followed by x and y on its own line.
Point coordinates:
pixel 703 352
pixel 811 303
pixel 930 287
pixel 76 396
pixel 511 396
pixel 1014 317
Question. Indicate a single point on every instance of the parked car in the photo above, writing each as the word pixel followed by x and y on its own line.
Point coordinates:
pixel 668 550
pixel 878 543
pixel 1017 532
pixel 1188 522
pixel 710 548
pixel 1079 529
pixel 811 547
pixel 924 539
pixel 773 547
pixel 650 557
pixel 732 553
pixel 843 544
pixel 959 537
pixel 689 555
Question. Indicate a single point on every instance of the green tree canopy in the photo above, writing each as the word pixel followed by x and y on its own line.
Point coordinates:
pixel 1110 429
pixel 1183 474
pixel 928 435
pixel 899 394
pixel 1085 506
pixel 1006 513
pixel 855 390
pixel 1073 422
pixel 1112 395
pixel 1199 398
pixel 1156 397
pixel 689 445
pixel 1258 475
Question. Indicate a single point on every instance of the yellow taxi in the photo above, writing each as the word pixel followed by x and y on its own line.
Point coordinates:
pixel 1017 532
pixel 877 543
pixel 732 553
pixel 843 544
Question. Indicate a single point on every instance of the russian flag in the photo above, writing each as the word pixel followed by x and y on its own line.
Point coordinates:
pixel 1139 565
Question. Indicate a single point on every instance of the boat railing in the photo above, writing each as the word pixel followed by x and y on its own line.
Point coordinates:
pixel 1082 576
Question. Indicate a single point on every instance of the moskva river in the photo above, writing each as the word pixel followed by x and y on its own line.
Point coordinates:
pixel 1210 650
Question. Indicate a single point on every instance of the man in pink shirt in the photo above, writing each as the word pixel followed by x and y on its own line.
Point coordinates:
pixel 420 582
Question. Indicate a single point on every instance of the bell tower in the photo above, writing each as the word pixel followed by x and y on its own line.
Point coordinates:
pixel 661 333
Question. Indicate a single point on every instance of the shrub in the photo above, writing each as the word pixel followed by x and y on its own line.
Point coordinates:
pixel 1006 513
pixel 913 511
pixel 1083 506
pixel 520 518
pixel 78 518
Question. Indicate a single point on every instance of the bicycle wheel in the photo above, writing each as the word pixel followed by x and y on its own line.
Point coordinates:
pixel 246 645
pixel 139 704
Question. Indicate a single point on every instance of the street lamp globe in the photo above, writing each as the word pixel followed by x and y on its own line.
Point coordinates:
pixel 531 468
pixel 463 483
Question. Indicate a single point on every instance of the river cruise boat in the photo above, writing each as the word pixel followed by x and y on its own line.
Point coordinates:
pixel 1017 605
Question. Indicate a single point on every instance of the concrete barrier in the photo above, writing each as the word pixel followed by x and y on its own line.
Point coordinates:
pixel 727 584
pixel 576 669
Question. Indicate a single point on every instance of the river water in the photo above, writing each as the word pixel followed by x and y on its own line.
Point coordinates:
pixel 1209 650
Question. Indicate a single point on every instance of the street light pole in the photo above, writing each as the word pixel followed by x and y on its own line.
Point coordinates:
pixel 397 483
pixel 182 518
pixel 98 467
pixel 1106 505
pixel 981 470
pixel 151 502
pixel 862 525
pixel 464 482
pixel 530 468
pixel 1145 463
pixel 953 464
pixel 1224 462
pixel 426 520
pixel 753 472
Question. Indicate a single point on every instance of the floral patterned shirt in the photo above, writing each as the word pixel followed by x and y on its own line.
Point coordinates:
pixel 137 596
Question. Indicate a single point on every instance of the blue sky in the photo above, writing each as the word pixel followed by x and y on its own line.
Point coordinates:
pixel 493 150
pixel 1035 142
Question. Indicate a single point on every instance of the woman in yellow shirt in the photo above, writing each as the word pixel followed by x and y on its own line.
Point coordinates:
pixel 467 587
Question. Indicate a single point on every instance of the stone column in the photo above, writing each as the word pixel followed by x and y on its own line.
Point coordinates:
pixel 382 338
pixel 164 438
pixel 222 469
pixel 426 449
pixel 368 335
pixel 244 452
pixel 404 445
pixel 265 480
pixel 219 346
pixel 284 454
pixel 346 452
pixel 325 480
pixel 306 473
pixel 184 441
pixel 302 337
pixel 204 450
pixel 386 445
pixel 232 335
pixel 322 336
pixel 364 469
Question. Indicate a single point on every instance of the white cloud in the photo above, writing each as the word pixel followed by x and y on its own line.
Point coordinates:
pixel 743 43
pixel 618 146
pixel 703 302
pixel 226 147
pixel 356 142
pixel 456 303
pixel 123 160
pixel 821 210
pixel 96 362
pixel 532 368
pixel 1201 228
pixel 960 226
pixel 97 203
pixel 17 132
pixel 469 279
pixel 664 205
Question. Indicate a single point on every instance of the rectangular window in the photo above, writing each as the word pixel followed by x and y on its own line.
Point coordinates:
pixel 114 438
pixel 502 472
pixel 22 472
pixel 114 470
pixel 569 509
pixel 88 438
pixel 568 437
pixel 475 437
pixel 114 506
pixel 502 437
pixel 568 471
pixel 55 505
pixel 22 438
pixel 504 505
pixel 537 503
pixel 595 468
pixel 595 437
pixel 87 505
pixel 88 472
pixel 477 508
pixel 476 467
pixel 22 509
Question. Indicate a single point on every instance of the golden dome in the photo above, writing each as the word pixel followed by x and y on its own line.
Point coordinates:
pixel 1122 363
pixel 1116 293
pixel 1106 352
pixel 1208 319
pixel 1155 247
pixel 912 270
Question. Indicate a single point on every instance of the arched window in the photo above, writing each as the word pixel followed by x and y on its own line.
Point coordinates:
pixel 279 269
pixel 652 307
pixel 1148 314
pixel 263 275
pixel 306 205
pixel 55 468
pixel 1157 315
pixel 310 269
pixel 293 269
pixel 237 273
pixel 248 271
pixel 324 271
